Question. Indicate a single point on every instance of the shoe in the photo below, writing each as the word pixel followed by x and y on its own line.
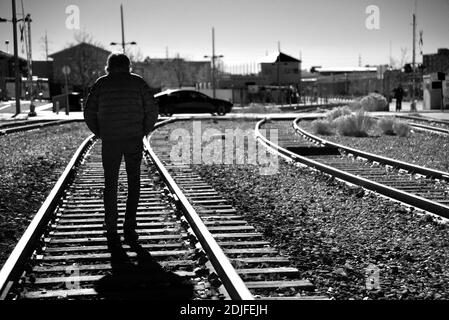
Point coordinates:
pixel 112 237
pixel 130 236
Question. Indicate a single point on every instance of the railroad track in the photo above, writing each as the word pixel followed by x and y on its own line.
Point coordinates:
pixel 432 125
pixel 192 243
pixel 64 254
pixel 413 185
pixel 264 271
pixel 27 125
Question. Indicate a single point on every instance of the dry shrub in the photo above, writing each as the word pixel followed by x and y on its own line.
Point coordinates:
pixel 401 129
pixel 337 113
pixel 374 102
pixel 355 105
pixel 354 125
pixel 323 127
pixel 386 125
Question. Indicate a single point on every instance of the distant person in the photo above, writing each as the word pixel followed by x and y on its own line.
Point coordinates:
pixel 120 110
pixel 399 95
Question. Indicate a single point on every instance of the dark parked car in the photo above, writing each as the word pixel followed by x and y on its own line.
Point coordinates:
pixel 75 101
pixel 189 101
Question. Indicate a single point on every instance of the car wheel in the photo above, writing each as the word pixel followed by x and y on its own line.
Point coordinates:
pixel 221 110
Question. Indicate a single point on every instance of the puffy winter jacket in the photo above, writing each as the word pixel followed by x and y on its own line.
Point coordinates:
pixel 120 107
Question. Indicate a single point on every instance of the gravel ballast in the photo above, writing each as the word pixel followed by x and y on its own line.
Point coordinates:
pixel 31 163
pixel 421 148
pixel 351 244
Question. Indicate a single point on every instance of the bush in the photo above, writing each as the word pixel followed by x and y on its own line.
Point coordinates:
pixel 354 125
pixel 337 113
pixel 402 129
pixel 374 102
pixel 323 127
pixel 386 125
pixel 355 105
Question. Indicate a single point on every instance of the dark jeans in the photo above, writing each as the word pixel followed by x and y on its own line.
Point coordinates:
pixel 398 104
pixel 111 153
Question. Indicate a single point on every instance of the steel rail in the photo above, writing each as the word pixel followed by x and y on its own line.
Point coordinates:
pixel 14 266
pixel 425 119
pixel 36 126
pixel 421 126
pixel 234 285
pixel 374 157
pixel 394 193
pixel 429 128
pixel 17 123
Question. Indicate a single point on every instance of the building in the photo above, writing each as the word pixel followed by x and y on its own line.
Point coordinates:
pixel 280 69
pixel 170 73
pixel 86 63
pixel 436 62
pixel 347 81
pixel 7 75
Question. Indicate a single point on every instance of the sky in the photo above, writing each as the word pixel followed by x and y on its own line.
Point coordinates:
pixel 326 32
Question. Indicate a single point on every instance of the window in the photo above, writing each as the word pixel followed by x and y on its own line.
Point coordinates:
pixel 194 96
pixel 202 96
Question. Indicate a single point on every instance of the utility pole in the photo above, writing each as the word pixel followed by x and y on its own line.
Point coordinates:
pixel 391 58
pixel 213 57
pixel 123 28
pixel 46 45
pixel 16 58
pixel 32 113
pixel 300 77
pixel 278 62
pixel 413 104
pixel 213 63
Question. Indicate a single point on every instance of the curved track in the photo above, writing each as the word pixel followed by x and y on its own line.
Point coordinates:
pixel 264 271
pixel 417 186
pixel 432 125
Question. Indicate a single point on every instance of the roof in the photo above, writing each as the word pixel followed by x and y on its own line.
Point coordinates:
pixel 346 69
pixel 77 45
pixel 6 55
pixel 168 91
pixel 278 56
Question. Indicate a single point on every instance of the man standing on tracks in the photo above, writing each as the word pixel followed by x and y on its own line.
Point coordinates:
pixel 120 110
pixel 399 95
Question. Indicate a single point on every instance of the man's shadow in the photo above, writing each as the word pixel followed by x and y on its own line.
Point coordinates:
pixel 146 280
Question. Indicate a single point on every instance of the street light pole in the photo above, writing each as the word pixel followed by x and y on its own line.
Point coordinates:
pixel 16 58
pixel 123 43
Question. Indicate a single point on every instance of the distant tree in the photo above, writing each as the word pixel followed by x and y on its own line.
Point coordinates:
pixel 135 56
pixel 181 70
pixel 88 63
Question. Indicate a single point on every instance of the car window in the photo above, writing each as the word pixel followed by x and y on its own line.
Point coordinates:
pixel 202 96
pixel 183 96
pixel 194 96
